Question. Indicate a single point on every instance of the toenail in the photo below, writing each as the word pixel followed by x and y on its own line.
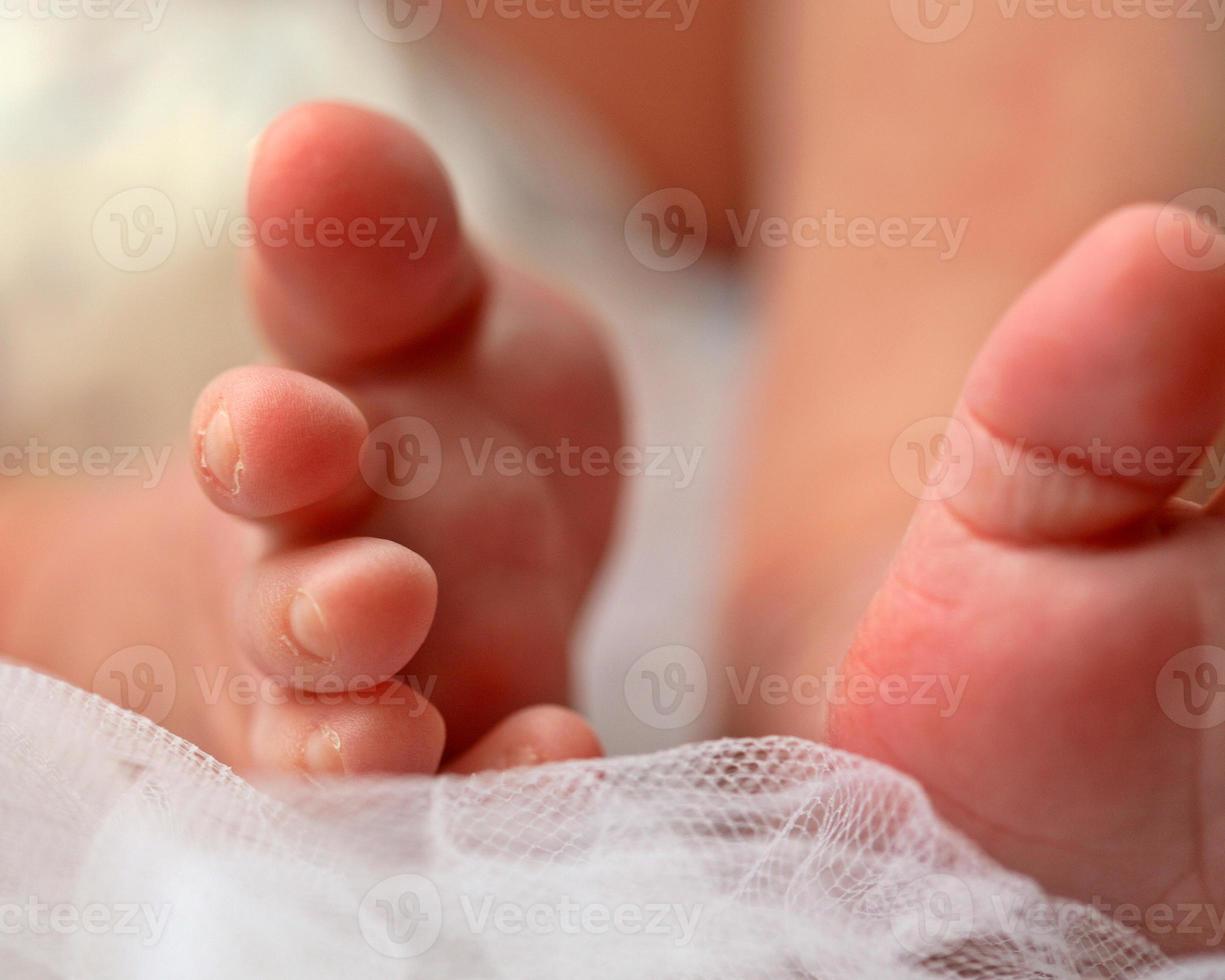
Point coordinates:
pixel 519 757
pixel 254 145
pixel 219 451
pixel 321 755
pixel 310 630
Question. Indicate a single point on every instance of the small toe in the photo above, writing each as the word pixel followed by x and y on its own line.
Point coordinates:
pixel 341 616
pixel 270 442
pixel 390 729
pixel 533 736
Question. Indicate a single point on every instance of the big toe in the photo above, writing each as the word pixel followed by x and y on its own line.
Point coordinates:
pixel 1097 392
pixel 359 252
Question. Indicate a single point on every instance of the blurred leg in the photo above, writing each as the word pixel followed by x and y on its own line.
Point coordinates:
pixel 1018 132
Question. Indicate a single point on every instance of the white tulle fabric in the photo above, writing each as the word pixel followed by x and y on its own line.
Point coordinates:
pixel 128 853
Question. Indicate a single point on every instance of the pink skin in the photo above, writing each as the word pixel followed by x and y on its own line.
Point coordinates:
pixel 476 582
pixel 1060 599
pixel 530 738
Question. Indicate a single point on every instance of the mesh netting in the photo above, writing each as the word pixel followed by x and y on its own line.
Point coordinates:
pixel 126 852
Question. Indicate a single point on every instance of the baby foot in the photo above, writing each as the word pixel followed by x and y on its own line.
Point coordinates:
pixel 283 640
pixel 1063 592
pixel 409 353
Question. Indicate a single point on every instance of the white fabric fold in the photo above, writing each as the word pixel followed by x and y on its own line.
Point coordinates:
pixel 128 853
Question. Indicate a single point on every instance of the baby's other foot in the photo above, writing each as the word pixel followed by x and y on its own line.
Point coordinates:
pixel 1063 600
